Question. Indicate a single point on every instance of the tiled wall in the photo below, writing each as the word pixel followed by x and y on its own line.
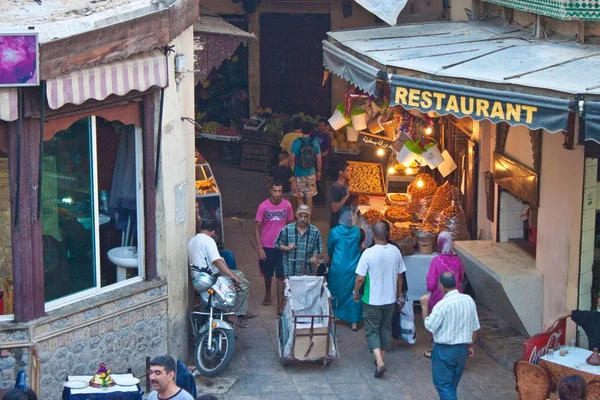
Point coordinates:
pixel 511 224
pixel 11 362
pixel 588 226
pixel 120 331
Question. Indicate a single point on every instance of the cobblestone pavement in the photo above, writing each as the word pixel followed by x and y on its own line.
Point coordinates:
pixel 256 364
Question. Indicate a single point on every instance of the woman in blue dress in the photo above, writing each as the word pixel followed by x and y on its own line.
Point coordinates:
pixel 344 249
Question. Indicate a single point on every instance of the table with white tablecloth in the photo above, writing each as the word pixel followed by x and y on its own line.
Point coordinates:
pixel 573 363
pixel 116 392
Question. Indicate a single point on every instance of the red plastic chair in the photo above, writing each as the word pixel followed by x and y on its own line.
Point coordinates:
pixel 538 345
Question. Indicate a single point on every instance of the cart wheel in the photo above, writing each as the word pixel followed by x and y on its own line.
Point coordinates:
pixel 326 362
pixel 284 362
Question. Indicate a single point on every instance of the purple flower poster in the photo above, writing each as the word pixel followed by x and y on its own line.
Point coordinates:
pixel 19 63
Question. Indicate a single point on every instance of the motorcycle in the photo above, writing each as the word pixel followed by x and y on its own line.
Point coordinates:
pixel 213 334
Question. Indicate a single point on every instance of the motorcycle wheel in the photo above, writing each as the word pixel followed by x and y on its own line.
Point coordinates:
pixel 213 362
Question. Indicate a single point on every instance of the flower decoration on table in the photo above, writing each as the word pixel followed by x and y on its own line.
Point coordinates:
pixel 102 378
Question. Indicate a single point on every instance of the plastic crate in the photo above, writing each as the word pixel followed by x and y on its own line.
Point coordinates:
pixel 255 165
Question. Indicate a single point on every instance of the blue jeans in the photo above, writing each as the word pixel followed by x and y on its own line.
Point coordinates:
pixel 229 258
pixel 448 362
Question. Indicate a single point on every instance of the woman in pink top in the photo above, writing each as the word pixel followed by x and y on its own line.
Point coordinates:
pixel 446 261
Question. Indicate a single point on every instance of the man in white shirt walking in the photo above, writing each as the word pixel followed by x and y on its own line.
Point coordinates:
pixel 380 269
pixel 454 325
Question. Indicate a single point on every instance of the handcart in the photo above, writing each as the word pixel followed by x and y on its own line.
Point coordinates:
pixel 306 330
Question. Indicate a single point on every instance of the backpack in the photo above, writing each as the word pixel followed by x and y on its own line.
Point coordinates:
pixel 308 158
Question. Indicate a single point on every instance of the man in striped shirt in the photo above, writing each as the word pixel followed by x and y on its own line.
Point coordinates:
pixel 454 325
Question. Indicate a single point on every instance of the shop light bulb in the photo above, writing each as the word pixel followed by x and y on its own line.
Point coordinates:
pixel 428 130
pixel 380 152
pixel 409 171
pixel 67 200
pixel 420 183
pixel 391 170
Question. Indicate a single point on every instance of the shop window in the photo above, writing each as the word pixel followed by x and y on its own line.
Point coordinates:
pixel 91 207
pixel 6 298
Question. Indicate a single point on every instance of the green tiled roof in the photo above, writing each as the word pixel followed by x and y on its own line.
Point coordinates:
pixel 585 10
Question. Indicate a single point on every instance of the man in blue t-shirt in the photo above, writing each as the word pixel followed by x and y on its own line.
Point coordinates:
pixel 305 158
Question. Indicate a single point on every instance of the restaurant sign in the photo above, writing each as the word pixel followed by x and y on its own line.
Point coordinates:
pixel 535 112
pixel 379 142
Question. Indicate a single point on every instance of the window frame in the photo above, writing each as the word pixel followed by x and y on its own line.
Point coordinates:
pixel 98 289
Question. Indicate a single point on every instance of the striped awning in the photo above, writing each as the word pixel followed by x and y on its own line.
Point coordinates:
pixel 139 72
pixel 9 107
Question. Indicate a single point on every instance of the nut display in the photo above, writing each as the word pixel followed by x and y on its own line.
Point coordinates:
pixel 427 229
pixel 397 233
pixel 372 217
pixel 366 178
pixel 445 197
pixel 364 200
pixel 423 187
pixel 397 214
pixel 399 197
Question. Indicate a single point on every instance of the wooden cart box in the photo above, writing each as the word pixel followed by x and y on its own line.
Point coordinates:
pixel 311 345
pixel 359 181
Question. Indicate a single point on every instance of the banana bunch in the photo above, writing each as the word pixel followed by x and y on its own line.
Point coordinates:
pixel 262 112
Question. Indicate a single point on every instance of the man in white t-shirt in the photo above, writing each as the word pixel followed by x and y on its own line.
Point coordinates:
pixel 380 269
pixel 204 254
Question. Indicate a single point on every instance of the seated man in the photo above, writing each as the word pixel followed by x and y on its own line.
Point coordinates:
pixel 227 255
pixel 588 320
pixel 203 253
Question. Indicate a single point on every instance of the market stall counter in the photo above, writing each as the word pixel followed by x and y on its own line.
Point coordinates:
pixel 415 218
pixel 417 264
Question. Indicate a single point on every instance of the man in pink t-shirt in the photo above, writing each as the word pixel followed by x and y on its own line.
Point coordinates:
pixel 273 214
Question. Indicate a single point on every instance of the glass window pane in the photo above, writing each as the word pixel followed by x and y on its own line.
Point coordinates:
pixel 117 186
pixel 6 299
pixel 68 222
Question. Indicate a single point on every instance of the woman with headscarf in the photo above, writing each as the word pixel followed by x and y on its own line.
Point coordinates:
pixel 344 249
pixel 446 261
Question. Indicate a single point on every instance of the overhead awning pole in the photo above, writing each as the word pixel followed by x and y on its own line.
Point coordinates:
pixel 159 140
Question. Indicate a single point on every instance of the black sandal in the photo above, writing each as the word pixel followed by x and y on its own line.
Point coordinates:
pixel 380 371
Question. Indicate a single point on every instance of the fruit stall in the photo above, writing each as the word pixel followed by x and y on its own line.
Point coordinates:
pixel 257 146
pixel 208 196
